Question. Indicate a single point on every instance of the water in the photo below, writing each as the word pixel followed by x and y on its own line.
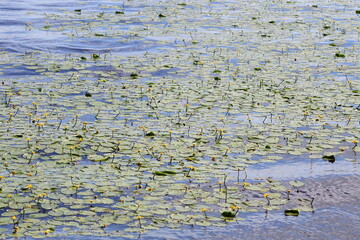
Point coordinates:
pixel 23 30
pixel 329 223
pixel 20 22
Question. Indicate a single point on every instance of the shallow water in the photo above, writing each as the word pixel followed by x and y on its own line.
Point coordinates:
pixel 336 216
pixel 330 223
pixel 303 168
pixel 333 185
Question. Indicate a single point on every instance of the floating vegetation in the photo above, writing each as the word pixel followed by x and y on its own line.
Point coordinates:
pixel 339 55
pixel 292 212
pixel 330 158
pixel 156 126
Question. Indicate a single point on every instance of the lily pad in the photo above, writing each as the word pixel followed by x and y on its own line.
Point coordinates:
pixel 292 212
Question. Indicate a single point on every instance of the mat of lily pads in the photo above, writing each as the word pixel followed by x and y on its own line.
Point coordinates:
pixel 125 117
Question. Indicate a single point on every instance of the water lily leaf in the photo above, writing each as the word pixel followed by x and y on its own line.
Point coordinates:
pixel 204 223
pixel 227 214
pixel 292 212
pixel 269 208
pixel 87 213
pixel 305 208
pixel 158 173
pixel 329 158
pixel 38 215
pixel 255 203
pixel 276 202
pixel 56 213
pixel 296 183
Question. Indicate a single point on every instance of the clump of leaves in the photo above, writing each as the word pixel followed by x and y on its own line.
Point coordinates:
pixel 330 158
pixel 339 55
pixel 228 214
pixel 134 75
pixel 292 212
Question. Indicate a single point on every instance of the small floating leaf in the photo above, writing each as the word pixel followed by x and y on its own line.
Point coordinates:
pixel 158 173
pixel 296 183
pixel 330 158
pixel 95 56
pixel 169 172
pixel 134 75
pixel 228 214
pixel 292 212
pixel 339 55
pixel 150 134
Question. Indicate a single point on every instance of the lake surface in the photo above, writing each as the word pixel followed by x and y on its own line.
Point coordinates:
pixel 102 100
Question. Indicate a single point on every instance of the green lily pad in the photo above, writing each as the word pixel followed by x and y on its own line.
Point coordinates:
pixel 329 158
pixel 228 214
pixel 292 212
pixel 296 183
